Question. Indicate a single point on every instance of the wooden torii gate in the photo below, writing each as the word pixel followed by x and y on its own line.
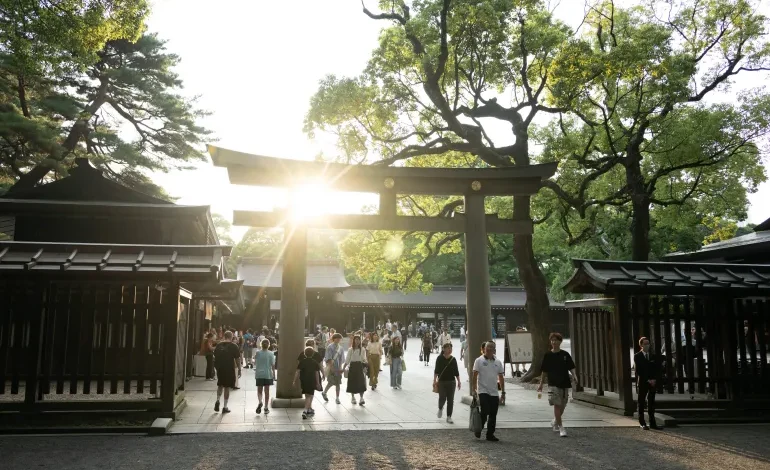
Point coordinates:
pixel 474 184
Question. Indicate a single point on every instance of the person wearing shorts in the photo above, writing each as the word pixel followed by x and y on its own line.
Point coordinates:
pixel 227 359
pixel 307 369
pixel 559 370
pixel 264 372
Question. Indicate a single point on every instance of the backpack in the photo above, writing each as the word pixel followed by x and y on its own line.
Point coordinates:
pixel 223 358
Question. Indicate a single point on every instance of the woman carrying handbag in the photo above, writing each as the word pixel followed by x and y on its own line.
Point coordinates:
pixel 445 374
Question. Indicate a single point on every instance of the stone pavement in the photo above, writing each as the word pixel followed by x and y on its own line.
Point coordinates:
pixel 413 407
pixel 683 448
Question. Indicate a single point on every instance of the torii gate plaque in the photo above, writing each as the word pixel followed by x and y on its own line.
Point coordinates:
pixel 474 184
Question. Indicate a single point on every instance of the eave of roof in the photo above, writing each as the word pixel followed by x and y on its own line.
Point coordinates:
pixel 599 276
pixel 34 206
pixel 104 261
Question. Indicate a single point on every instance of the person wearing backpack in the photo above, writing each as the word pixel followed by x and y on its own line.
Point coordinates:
pixel 226 360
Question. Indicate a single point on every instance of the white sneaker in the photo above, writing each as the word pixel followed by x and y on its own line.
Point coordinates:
pixel 440 412
pixel 353 400
pixel 562 431
pixel 449 420
pixel 337 401
pixel 554 426
pixel 362 402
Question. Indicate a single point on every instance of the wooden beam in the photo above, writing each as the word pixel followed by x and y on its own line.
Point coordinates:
pixel 454 224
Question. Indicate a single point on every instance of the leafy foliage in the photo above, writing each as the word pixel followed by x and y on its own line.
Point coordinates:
pixel 636 134
pixel 79 78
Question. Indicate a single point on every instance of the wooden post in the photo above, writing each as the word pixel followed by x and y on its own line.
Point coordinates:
pixel 293 299
pixel 476 277
pixel 170 309
pixel 38 311
pixel 621 326
pixel 388 203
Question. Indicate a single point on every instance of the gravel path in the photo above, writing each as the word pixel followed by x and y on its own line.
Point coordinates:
pixel 701 448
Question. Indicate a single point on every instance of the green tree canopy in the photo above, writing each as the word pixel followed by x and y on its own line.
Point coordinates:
pixel 637 135
pixel 79 78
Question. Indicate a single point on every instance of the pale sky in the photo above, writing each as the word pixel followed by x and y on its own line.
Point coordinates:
pixel 255 65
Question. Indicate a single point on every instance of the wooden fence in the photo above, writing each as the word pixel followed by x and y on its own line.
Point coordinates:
pixel 90 346
pixel 707 347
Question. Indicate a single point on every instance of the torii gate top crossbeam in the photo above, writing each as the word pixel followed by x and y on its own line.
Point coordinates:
pixel 256 170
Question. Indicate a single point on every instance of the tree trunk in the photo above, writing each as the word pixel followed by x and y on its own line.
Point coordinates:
pixel 640 218
pixel 538 305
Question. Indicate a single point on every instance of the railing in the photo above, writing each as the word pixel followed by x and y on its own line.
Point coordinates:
pixel 590 324
pixel 714 348
pixel 87 346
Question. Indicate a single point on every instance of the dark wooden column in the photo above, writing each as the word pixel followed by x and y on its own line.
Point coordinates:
pixel 621 329
pixel 476 276
pixel 293 300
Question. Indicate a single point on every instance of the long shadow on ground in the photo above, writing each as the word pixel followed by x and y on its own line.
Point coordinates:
pixel 697 448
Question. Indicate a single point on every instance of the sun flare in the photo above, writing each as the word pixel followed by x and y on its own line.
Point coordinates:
pixel 309 201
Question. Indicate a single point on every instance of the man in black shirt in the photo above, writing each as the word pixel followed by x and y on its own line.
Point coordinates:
pixel 227 357
pixel 559 370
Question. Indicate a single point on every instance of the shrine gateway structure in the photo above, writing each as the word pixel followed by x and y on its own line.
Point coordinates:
pixel 474 184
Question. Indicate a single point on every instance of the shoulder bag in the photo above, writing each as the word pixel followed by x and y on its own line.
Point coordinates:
pixel 435 384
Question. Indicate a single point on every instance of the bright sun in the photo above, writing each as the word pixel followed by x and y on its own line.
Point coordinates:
pixel 309 201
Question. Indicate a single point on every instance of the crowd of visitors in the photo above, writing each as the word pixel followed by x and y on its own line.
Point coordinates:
pixel 324 358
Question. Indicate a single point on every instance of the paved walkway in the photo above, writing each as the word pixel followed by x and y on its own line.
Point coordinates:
pixel 413 407
pixel 684 448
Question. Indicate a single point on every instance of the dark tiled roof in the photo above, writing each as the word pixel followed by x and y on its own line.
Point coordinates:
pixel 735 247
pixel 184 263
pixel 763 226
pixel 595 276
pixel 84 183
pixel 441 296
pixel 261 272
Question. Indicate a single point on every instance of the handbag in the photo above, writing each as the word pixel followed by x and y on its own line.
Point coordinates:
pixel 328 369
pixel 435 384
pixel 318 386
pixel 403 364
pixel 474 423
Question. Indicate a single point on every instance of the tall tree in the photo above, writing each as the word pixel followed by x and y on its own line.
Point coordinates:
pixel 443 75
pixel 78 78
pixel 639 133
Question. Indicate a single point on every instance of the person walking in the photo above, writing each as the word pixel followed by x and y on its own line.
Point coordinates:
pixel 427 347
pixel 354 364
pixel 207 349
pixel 404 337
pixel 308 369
pixel 227 360
pixel 487 375
pixel 462 333
pixel 374 351
pixel 396 355
pixel 559 370
pixel 264 373
pixel 444 338
pixel 335 357
pixel 445 374
pixel 646 366
pixel 248 348
pixel 322 339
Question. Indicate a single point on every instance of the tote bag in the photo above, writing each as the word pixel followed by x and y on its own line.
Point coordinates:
pixel 474 423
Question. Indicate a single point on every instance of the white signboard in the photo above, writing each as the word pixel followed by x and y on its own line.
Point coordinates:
pixel 519 347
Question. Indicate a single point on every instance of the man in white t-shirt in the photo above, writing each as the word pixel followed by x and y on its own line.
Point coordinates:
pixel 388 325
pixel 487 374
pixel 396 334
pixel 444 338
